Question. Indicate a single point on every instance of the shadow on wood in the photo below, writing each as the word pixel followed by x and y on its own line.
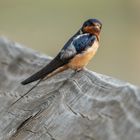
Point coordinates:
pixel 81 106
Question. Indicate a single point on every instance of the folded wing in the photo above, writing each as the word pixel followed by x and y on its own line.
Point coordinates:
pixel 53 65
pixel 78 44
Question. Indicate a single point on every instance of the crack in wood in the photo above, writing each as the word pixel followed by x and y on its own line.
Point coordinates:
pixel 84 116
pixel 23 124
pixel 50 135
pixel 78 113
pixel 77 85
pixel 106 115
pixel 71 110
pixel 31 131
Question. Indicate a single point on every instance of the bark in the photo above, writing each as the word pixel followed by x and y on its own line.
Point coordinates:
pixel 69 106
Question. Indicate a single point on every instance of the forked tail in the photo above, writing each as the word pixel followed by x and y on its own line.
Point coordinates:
pixel 52 67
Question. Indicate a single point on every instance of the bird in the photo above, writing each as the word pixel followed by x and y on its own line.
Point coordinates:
pixel 75 54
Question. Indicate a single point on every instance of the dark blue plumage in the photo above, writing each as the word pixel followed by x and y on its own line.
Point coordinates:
pixel 78 44
pixel 82 42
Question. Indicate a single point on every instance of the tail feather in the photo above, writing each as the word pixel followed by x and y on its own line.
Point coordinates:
pixel 53 65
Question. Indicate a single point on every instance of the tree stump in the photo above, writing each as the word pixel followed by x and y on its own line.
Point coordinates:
pixel 69 106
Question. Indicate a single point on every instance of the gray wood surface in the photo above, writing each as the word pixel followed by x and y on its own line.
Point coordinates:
pixel 68 106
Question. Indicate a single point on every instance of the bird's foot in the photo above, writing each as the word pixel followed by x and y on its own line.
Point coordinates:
pixel 79 69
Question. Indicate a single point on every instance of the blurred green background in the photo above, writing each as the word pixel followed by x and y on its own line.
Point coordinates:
pixel 45 25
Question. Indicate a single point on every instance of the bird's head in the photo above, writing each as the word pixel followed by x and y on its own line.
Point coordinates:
pixel 92 26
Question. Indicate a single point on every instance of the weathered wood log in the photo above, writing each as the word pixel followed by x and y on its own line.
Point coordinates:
pixel 68 106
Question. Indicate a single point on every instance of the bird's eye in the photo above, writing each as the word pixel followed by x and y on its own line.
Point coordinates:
pixel 97 25
pixel 86 24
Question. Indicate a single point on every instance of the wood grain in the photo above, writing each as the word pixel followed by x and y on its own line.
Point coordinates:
pixel 69 106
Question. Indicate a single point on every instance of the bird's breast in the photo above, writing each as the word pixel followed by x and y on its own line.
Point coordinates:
pixel 81 60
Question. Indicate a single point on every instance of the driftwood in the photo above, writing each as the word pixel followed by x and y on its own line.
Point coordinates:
pixel 68 106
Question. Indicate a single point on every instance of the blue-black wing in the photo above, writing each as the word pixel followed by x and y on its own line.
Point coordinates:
pixel 53 65
pixel 79 44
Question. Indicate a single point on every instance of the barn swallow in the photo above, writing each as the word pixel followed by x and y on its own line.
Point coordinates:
pixel 75 54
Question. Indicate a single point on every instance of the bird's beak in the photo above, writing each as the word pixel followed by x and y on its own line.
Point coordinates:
pixel 97 28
